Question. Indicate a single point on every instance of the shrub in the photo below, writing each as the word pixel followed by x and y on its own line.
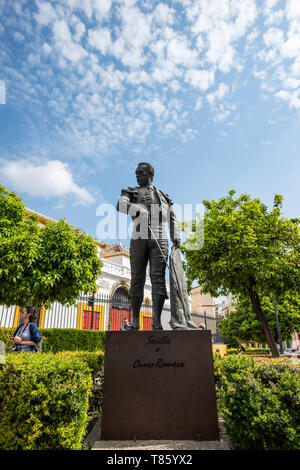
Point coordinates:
pixel 249 351
pixel 260 402
pixel 95 361
pixel 6 335
pixel 231 351
pixel 62 339
pixel 257 351
pixel 43 402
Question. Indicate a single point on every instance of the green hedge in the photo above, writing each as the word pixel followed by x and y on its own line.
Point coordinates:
pixel 249 351
pixel 62 339
pixel 44 401
pixel 93 359
pixel 260 402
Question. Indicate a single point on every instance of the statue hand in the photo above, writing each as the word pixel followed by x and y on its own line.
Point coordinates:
pixel 143 213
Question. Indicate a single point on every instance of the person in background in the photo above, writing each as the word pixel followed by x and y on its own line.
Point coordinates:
pixel 242 350
pixel 125 326
pixel 202 326
pixel 218 354
pixel 27 337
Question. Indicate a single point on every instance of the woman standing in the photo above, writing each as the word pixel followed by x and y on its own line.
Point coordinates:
pixel 27 336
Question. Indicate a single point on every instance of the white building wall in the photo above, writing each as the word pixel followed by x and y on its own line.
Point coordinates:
pixel 61 316
pixel 7 315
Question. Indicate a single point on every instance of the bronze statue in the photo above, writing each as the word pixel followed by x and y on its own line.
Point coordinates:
pixel 150 209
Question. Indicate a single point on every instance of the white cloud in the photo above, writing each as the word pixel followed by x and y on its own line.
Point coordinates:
pixel 100 39
pixel 19 37
pixel 33 59
pixel 199 103
pixel 163 14
pixel 280 58
pixel 273 37
pixel 46 14
pixel 52 179
pixel 223 22
pixel 64 43
pixel 220 106
pixel 79 28
pixel 46 49
pixel 91 8
pixel 292 97
pixel 219 94
pixel 202 79
pixel 156 107
pixel 102 73
pixel 179 52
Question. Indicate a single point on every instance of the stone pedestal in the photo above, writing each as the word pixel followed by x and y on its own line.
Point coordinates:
pixel 159 385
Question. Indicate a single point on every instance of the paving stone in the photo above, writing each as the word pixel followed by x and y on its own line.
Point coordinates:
pixel 222 444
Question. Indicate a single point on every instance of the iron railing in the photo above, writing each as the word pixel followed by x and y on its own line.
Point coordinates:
pixel 99 311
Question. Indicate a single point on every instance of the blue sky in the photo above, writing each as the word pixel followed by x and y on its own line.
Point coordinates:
pixel 207 91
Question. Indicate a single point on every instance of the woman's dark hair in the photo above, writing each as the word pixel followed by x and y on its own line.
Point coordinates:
pixel 32 312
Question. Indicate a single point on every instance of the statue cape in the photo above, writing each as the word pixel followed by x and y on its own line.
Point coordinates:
pixel 179 299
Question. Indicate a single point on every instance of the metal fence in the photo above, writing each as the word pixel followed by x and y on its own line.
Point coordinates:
pixel 118 308
pixel 110 312
pixel 102 312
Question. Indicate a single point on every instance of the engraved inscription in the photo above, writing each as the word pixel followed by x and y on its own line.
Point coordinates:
pixel 160 363
pixel 158 340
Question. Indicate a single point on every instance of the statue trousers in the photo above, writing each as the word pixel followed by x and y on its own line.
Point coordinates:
pixel 144 251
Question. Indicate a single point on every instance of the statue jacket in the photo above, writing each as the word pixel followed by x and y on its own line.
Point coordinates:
pixel 158 204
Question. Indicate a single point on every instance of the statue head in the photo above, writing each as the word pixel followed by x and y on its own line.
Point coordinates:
pixel 144 173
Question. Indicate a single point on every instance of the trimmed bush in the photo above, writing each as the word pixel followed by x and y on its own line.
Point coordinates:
pixel 62 339
pixel 257 351
pixel 6 335
pixel 44 401
pixel 260 402
pixel 231 351
pixel 249 351
pixel 66 339
pixel 95 361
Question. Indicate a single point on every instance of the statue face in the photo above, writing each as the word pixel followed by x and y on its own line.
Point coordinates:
pixel 142 175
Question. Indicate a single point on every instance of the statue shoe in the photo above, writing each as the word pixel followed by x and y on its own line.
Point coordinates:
pixel 157 327
pixel 133 327
pixel 181 327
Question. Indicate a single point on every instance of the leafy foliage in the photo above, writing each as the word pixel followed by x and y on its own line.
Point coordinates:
pixel 248 250
pixel 43 402
pixel 61 339
pixel 260 402
pixel 244 243
pixel 42 264
pixel 242 323
pixel 249 351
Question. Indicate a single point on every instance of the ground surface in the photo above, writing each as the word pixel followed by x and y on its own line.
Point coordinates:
pixel 97 444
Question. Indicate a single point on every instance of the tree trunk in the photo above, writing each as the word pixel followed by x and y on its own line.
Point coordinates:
pixel 260 315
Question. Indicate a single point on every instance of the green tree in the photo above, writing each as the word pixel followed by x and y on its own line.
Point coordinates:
pixel 42 264
pixel 248 250
pixel 242 324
